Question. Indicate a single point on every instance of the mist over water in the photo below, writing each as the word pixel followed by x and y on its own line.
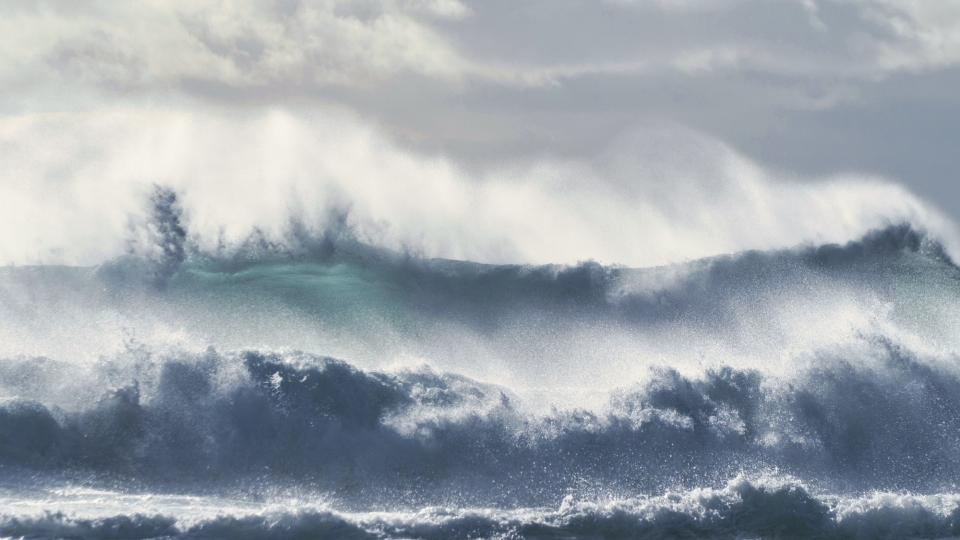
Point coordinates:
pixel 75 184
pixel 273 326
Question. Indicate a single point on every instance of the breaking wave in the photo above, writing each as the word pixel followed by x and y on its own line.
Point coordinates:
pixel 804 392
pixel 737 510
pixel 418 437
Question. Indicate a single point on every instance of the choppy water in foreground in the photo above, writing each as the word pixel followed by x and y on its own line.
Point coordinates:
pixel 343 391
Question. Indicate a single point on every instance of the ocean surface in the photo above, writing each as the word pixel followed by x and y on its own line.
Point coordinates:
pixel 330 388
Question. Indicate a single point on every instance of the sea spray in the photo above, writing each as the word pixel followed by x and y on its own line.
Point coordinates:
pixel 830 408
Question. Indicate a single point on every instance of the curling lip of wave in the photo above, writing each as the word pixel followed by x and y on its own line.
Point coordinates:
pixel 490 296
pixel 337 246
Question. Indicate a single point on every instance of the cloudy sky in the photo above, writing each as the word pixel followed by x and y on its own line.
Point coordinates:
pixel 587 94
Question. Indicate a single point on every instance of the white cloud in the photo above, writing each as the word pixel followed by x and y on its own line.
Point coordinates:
pixel 241 43
pixel 926 34
pixel 443 9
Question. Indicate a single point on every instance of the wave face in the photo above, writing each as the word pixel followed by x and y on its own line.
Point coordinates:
pixel 334 389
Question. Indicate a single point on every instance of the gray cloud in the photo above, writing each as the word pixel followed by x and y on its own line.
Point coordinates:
pixel 810 86
pixel 261 43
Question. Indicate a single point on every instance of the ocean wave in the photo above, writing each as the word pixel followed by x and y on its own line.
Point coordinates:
pixel 739 509
pixel 333 272
pixel 418 437
pixel 804 392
